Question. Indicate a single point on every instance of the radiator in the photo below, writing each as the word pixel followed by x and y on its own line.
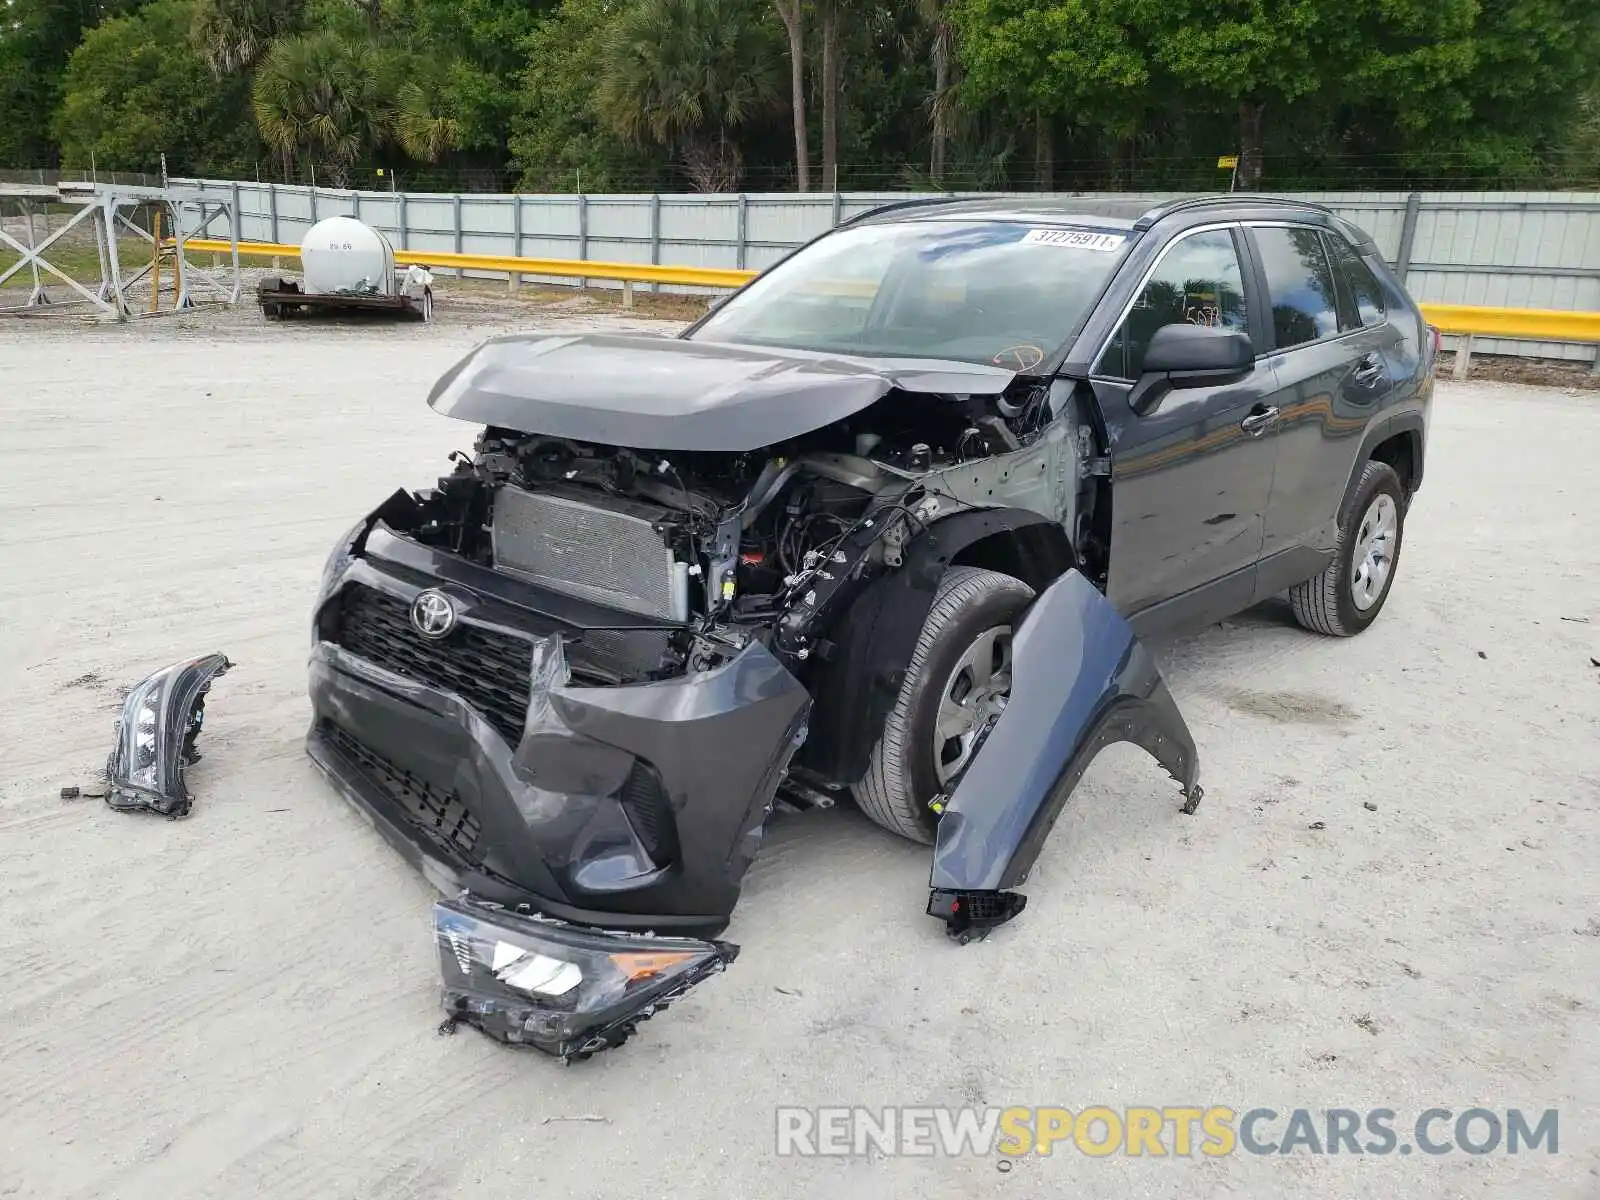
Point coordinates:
pixel 608 555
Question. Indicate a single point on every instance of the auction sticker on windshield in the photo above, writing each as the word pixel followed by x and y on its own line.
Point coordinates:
pixel 1074 239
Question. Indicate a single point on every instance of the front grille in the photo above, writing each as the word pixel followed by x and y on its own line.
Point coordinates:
pixel 490 671
pixel 649 812
pixel 441 816
pixel 611 556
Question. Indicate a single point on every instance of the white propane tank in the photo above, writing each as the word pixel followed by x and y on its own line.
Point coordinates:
pixel 341 254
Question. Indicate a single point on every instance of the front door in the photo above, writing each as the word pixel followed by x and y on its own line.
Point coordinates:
pixel 1190 479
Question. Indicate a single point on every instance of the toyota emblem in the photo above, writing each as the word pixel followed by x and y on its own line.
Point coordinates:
pixel 433 614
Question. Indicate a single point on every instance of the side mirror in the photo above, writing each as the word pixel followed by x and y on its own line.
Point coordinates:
pixel 1186 356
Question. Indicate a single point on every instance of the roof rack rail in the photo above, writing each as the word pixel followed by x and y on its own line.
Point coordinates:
pixel 1161 211
pixel 920 202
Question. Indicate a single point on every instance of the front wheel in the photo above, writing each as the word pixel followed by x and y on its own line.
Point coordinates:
pixel 959 676
pixel 1350 592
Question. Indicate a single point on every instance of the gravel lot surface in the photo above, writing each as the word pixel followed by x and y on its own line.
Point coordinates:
pixel 243 1003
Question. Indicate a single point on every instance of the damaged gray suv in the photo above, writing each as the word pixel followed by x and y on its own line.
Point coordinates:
pixel 886 524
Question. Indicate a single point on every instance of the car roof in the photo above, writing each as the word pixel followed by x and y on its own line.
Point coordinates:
pixel 1138 212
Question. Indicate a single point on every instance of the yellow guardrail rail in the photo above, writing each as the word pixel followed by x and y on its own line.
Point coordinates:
pixel 561 268
pixel 1464 320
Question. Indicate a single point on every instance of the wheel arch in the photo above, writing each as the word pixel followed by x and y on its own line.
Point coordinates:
pixel 1397 442
pixel 872 643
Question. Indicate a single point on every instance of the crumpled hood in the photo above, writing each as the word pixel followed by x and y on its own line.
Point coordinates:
pixel 670 394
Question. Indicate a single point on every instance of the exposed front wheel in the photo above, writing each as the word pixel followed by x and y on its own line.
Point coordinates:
pixel 1350 592
pixel 959 676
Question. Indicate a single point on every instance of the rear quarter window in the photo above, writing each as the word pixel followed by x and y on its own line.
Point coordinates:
pixel 1361 285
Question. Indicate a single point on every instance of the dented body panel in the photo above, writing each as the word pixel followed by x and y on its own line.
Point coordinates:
pixel 632 807
pixel 1081 682
pixel 672 394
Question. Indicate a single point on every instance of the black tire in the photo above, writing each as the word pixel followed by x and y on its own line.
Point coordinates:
pixel 901 778
pixel 1326 603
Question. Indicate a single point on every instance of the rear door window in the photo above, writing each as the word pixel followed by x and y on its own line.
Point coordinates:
pixel 1198 281
pixel 1300 286
pixel 1361 285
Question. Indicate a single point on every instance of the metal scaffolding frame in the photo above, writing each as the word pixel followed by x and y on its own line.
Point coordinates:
pixel 107 208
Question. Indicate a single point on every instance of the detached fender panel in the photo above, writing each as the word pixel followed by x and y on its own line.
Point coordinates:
pixel 1081 681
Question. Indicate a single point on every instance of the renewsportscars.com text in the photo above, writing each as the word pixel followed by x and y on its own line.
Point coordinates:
pixel 1180 1131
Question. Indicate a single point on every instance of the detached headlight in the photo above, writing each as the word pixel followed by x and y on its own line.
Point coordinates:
pixel 156 734
pixel 563 989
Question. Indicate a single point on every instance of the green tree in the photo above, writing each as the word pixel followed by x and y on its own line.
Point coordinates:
pixel 559 143
pixel 688 74
pixel 135 89
pixel 234 35
pixel 1078 61
pixel 327 98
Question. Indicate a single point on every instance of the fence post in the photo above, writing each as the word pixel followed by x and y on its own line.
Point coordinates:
pixel 455 205
pixel 583 235
pixel 313 204
pixel 744 227
pixel 1408 235
pixel 655 235
pixel 355 205
pixel 514 280
pixel 400 217
pixel 272 207
pixel 1463 358
pixel 838 208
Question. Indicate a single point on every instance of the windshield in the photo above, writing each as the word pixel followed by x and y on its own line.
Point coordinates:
pixel 975 291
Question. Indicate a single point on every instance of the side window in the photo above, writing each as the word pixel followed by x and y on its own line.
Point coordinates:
pixel 1299 285
pixel 1198 281
pixel 1360 283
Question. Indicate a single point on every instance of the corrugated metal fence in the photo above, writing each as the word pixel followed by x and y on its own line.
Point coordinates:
pixel 1504 249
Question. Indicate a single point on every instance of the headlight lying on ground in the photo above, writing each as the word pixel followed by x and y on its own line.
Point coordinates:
pixel 155 740
pixel 563 989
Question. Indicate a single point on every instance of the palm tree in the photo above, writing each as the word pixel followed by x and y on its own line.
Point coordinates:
pixel 687 74
pixel 323 96
pixel 425 123
pixel 233 35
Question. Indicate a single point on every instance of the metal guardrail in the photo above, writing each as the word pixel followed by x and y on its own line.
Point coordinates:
pixel 1464 320
pixel 560 268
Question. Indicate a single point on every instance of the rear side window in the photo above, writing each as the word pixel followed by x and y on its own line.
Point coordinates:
pixel 1305 302
pixel 1198 281
pixel 1361 285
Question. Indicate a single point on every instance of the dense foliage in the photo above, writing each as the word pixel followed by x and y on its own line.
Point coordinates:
pixel 776 94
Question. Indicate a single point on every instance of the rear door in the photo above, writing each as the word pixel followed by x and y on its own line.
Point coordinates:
pixel 1333 355
pixel 1190 480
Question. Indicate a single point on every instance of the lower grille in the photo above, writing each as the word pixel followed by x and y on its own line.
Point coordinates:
pixel 441 816
pixel 490 671
pixel 650 813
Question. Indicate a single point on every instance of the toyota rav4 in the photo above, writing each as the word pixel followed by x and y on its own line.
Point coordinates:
pixel 885 524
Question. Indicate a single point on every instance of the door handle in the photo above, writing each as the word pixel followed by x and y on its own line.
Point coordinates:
pixel 1259 421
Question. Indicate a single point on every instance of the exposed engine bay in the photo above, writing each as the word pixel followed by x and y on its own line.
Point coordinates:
pixel 711 549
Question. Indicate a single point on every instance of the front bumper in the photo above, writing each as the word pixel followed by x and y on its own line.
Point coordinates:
pixel 628 808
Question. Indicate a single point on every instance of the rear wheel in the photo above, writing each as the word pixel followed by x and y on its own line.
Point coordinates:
pixel 1350 592
pixel 959 676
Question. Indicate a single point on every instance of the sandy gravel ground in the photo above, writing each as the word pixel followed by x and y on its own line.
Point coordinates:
pixel 243 1004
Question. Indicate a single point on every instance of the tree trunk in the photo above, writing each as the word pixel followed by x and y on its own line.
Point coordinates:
pixel 830 95
pixel 941 97
pixel 1250 165
pixel 1044 154
pixel 793 17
